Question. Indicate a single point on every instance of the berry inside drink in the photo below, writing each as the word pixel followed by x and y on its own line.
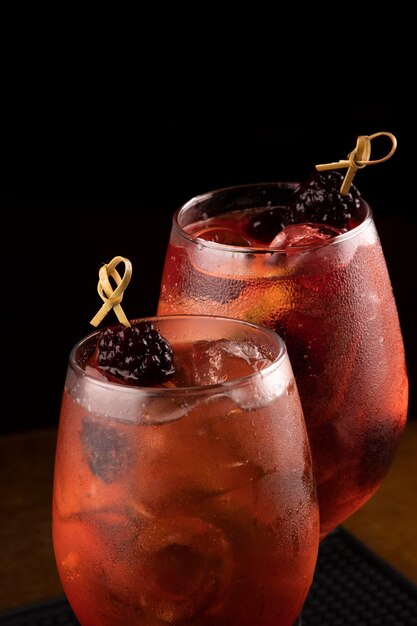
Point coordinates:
pixel 308 263
pixel 190 500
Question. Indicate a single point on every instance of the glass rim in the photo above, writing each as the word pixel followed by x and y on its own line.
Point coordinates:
pixel 278 361
pixel 289 185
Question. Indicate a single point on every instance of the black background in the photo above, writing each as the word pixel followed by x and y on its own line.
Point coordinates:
pixel 77 191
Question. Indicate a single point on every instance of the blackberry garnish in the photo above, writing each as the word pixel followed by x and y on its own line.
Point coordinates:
pixel 108 450
pixel 319 200
pixel 136 354
pixel 265 225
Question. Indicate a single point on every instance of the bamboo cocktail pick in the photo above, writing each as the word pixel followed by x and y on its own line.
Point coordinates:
pixel 359 158
pixel 112 297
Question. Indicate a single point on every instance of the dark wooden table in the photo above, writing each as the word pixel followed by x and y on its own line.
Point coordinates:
pixel 387 523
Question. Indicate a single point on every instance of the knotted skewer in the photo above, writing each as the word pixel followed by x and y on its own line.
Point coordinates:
pixel 359 158
pixel 110 296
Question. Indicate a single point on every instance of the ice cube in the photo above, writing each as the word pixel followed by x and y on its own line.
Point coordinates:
pixel 248 352
pixel 265 224
pixel 186 462
pixel 304 235
pixel 214 362
pixel 263 390
pixel 178 567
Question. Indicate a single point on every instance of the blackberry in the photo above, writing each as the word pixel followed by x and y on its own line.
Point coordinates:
pixel 319 200
pixel 107 449
pixel 264 226
pixel 138 354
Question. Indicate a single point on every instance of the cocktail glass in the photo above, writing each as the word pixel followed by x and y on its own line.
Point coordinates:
pixel 333 304
pixel 191 502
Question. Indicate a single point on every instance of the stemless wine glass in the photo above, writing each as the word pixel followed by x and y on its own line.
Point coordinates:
pixel 333 304
pixel 191 502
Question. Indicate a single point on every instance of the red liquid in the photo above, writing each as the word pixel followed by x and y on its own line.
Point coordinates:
pixel 333 305
pixel 207 519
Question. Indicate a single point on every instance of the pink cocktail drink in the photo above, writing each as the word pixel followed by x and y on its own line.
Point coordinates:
pixel 325 289
pixel 192 501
